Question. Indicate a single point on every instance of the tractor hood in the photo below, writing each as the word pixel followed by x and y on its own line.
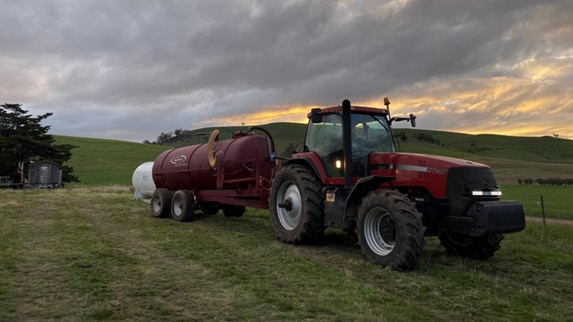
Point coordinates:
pixel 435 173
pixel 424 163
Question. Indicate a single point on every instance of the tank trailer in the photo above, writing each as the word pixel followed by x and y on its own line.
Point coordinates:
pixel 346 174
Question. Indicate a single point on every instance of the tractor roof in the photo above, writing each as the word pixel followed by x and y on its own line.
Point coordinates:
pixel 359 109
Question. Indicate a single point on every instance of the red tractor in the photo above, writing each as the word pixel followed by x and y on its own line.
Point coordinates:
pixel 347 175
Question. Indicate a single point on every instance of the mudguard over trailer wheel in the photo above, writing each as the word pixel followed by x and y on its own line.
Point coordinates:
pixel 183 205
pixel 482 247
pixel 160 203
pixel 296 208
pixel 390 230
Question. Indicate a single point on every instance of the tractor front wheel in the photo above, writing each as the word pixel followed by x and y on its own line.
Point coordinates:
pixel 390 230
pixel 183 205
pixel 482 247
pixel 296 207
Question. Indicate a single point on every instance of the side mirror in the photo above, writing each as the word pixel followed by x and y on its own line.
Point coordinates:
pixel 316 115
pixel 413 120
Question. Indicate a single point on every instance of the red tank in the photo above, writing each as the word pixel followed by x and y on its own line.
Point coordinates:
pixel 242 165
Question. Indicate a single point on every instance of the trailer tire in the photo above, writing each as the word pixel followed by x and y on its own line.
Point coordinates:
pixel 482 247
pixel 296 207
pixel 209 210
pixel 160 203
pixel 233 211
pixel 183 205
pixel 390 230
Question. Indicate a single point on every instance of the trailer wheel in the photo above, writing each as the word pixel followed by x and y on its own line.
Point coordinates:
pixel 209 210
pixel 233 211
pixel 482 247
pixel 160 203
pixel 183 205
pixel 390 230
pixel 296 207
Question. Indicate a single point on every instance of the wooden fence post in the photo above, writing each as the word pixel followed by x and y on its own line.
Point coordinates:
pixel 543 209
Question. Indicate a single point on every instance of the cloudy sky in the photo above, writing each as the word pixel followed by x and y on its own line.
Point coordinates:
pixel 131 69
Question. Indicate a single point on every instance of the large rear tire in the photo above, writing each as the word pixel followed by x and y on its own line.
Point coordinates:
pixel 296 207
pixel 482 247
pixel 160 203
pixel 183 205
pixel 390 230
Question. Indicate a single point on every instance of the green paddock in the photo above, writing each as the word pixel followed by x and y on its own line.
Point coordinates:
pixel 557 200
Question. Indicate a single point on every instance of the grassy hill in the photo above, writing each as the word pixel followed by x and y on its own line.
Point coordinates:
pixel 510 157
pixel 98 161
pixel 283 134
pixel 538 149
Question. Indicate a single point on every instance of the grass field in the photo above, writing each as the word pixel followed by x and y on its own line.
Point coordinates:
pixel 107 162
pixel 92 253
pixel 558 201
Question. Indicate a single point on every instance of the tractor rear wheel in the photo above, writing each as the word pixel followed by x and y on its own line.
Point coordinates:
pixel 183 205
pixel 390 230
pixel 160 203
pixel 482 247
pixel 295 206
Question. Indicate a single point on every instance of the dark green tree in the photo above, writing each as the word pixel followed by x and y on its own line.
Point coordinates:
pixel 164 137
pixel 23 138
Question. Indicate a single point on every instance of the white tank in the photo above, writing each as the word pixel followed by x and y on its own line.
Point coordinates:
pixel 142 181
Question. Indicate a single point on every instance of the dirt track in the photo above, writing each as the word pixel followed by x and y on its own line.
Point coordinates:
pixel 550 220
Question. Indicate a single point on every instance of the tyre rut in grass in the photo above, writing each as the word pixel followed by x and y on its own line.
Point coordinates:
pixel 482 247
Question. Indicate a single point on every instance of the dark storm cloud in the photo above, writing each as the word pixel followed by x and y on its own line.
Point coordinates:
pixel 133 69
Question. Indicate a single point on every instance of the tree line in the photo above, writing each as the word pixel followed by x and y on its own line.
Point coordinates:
pixel 546 182
pixel 418 136
pixel 166 137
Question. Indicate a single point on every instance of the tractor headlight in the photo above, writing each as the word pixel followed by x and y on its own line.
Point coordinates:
pixel 496 193
pixel 338 164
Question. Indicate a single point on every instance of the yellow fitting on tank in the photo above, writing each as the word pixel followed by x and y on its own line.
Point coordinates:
pixel 211 148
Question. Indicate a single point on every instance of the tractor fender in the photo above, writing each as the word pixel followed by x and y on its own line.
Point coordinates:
pixel 360 190
pixel 310 160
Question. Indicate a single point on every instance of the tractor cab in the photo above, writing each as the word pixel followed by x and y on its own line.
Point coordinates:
pixel 369 132
pixel 340 143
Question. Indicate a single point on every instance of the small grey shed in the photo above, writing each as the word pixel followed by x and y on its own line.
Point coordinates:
pixel 44 174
